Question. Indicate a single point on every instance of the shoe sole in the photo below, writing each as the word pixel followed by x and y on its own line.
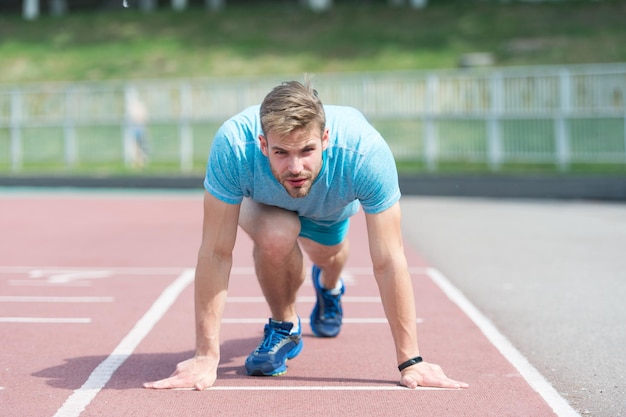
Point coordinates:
pixel 260 373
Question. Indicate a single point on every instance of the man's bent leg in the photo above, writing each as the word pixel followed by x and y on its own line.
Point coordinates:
pixel 280 269
pixel 327 313
pixel 278 260
pixel 330 259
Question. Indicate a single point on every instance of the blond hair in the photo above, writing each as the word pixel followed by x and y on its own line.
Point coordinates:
pixel 290 106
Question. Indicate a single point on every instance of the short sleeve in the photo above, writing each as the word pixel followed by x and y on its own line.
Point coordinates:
pixel 377 179
pixel 223 178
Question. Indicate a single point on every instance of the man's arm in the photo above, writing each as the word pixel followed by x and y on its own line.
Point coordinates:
pixel 219 232
pixel 396 292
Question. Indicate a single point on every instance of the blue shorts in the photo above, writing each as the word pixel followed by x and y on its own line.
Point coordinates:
pixel 324 235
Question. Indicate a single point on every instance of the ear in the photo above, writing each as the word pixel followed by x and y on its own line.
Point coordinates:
pixel 263 143
pixel 325 136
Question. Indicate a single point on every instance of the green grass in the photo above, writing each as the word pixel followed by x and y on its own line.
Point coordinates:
pixel 285 39
pixel 417 167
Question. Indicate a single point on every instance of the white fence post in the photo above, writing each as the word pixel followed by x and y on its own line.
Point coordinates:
pixel 70 145
pixel 431 150
pixel 30 9
pixel 320 5
pixel 624 121
pixel 561 121
pixel 17 109
pixel 58 7
pixel 69 132
pixel 418 4
pixel 215 5
pixel 147 5
pixel 128 144
pixel 494 135
pixel 186 134
pixel 179 5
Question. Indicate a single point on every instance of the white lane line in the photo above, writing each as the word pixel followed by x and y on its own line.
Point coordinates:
pixel 46 320
pixel 243 270
pixel 506 348
pixel 37 299
pixel 321 388
pixel 373 320
pixel 41 283
pixel 20 269
pixel 304 299
pixel 80 399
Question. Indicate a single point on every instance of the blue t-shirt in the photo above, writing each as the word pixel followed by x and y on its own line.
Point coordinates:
pixel 358 168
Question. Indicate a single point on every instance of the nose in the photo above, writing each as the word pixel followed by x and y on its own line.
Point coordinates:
pixel 295 165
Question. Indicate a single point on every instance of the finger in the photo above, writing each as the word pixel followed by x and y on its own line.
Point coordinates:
pixel 168 383
pixel 445 383
pixel 409 382
pixel 450 383
pixel 204 384
pixel 412 384
pixel 459 384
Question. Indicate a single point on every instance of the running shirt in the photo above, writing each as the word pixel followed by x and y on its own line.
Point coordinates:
pixel 358 168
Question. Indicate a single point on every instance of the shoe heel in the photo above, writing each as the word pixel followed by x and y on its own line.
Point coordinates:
pixel 296 350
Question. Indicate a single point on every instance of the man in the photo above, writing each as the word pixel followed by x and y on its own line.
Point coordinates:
pixel 291 173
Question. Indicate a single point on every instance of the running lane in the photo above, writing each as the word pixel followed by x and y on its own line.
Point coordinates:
pixel 96 298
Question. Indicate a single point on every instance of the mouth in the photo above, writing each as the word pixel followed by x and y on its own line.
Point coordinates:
pixel 296 182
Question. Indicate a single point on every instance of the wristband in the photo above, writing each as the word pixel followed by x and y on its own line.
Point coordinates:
pixel 410 362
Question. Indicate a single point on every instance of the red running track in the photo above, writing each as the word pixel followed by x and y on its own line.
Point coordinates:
pixel 96 298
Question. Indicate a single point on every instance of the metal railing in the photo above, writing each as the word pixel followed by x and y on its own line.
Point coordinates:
pixel 549 115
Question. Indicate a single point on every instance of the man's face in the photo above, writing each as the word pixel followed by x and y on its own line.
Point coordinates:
pixel 295 159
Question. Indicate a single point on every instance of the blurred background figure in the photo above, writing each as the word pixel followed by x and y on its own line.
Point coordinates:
pixel 138 127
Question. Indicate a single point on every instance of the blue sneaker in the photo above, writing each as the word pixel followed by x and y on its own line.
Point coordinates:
pixel 278 345
pixel 327 314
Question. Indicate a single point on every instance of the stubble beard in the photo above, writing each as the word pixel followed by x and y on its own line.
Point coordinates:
pixel 299 191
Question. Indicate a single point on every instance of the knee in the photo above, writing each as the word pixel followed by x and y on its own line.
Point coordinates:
pixel 276 236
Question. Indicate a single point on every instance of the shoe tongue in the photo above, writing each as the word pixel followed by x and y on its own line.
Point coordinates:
pixel 283 325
